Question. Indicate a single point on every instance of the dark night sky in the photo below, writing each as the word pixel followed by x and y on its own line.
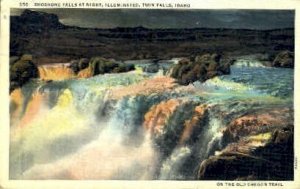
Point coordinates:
pixel 105 18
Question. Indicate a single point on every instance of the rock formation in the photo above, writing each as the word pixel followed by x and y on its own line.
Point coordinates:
pixel 99 65
pixel 254 143
pixel 284 59
pixel 34 22
pixel 202 68
pixel 22 71
pixel 273 161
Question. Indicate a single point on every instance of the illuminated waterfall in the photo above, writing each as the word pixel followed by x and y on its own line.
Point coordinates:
pixel 57 72
pixel 131 125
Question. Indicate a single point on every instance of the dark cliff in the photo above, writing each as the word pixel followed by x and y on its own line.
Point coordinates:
pixel 30 22
pixel 48 40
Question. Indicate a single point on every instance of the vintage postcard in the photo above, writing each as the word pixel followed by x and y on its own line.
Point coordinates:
pixel 123 94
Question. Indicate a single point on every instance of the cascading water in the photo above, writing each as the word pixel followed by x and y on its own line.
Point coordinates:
pixel 55 72
pixel 133 125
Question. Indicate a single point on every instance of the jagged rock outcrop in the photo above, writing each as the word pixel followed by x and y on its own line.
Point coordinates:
pixel 245 160
pixel 21 71
pixel 284 59
pixel 202 68
pixel 257 122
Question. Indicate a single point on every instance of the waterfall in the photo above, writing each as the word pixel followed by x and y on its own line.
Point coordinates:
pixel 171 166
pixel 248 63
pixel 131 125
pixel 57 72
